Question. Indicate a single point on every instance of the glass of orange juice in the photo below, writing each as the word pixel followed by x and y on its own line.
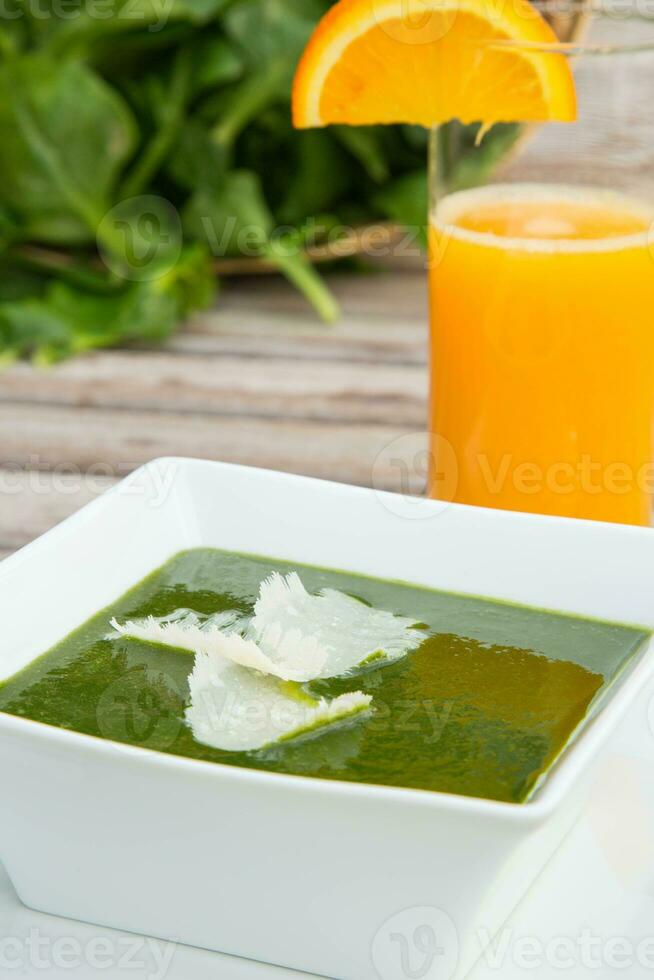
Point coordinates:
pixel 542 301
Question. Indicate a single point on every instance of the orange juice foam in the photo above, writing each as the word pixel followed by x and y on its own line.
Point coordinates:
pixel 542 351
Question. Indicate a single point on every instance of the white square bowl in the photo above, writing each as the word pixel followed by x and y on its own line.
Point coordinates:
pixel 326 877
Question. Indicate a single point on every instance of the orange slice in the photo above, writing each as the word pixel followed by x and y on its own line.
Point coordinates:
pixel 428 61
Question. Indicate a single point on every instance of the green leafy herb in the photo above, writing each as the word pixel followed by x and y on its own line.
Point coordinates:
pixel 405 200
pixel 64 320
pixel 65 135
pixel 142 141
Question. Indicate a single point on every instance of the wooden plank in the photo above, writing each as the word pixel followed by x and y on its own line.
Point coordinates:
pixel 396 339
pixel 382 292
pixel 227 385
pixel 384 318
pixel 114 442
pixel 257 380
pixel 31 502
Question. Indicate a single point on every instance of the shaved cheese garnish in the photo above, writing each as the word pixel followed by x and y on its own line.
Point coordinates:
pixel 245 684
pixel 347 631
pixel 238 710
pixel 301 659
pixel 175 628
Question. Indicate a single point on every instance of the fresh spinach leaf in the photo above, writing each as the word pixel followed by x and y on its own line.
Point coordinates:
pixel 405 201
pixel 65 136
pixel 366 146
pixel 234 219
pixel 196 161
pixel 66 321
pixel 266 31
pixel 216 63
pixel 320 177
pixel 169 104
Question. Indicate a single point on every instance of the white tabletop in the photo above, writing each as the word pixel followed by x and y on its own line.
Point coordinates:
pixel 590 914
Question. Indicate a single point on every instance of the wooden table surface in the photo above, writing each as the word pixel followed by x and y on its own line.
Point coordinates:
pixel 257 380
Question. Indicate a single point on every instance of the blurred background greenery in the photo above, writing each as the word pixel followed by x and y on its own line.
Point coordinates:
pixel 142 141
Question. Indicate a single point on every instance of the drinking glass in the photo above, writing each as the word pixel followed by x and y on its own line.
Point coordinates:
pixel 542 295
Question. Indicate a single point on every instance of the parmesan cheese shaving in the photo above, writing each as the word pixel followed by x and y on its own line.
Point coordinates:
pixel 239 710
pixel 301 660
pixel 245 684
pixel 348 632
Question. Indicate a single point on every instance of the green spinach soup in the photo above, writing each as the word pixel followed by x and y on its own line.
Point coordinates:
pixel 481 704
